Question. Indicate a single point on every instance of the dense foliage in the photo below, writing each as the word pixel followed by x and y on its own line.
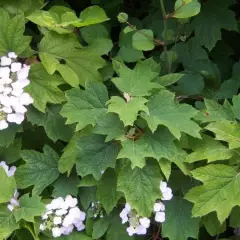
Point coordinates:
pixel 119 119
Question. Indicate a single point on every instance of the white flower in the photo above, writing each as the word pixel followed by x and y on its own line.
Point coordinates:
pixel 10 207
pixel 4 72
pixel 42 227
pixel 163 186
pixel 17 118
pixel 160 217
pixel 17 92
pixel 158 206
pixel 128 207
pixel 23 73
pixel 12 55
pixel 16 66
pixel 57 220
pixel 14 201
pixel 3 124
pixel 7 110
pixel 145 222
pixel 5 61
pixel 61 212
pixel 11 171
pixel 81 227
pixel 141 230
pixel 131 231
pixel 56 232
pixel 68 220
pixel 67 230
pixel 57 203
pixel 167 195
pixel 69 200
pixel 127 97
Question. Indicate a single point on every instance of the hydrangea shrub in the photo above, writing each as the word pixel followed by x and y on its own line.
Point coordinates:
pixel 119 120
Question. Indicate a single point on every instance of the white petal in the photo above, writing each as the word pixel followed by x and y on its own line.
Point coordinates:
pixel 57 220
pixel 12 55
pixel 145 222
pixel 11 171
pixel 3 124
pixel 141 230
pixel 131 231
pixel 5 61
pixel 160 217
pixel 56 232
pixel 163 186
pixel 16 66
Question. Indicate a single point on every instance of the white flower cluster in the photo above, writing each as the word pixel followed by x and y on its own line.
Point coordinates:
pixel 138 224
pixel 10 172
pixel 13 99
pixel 62 215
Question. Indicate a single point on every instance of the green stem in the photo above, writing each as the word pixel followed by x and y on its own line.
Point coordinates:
pixel 168 62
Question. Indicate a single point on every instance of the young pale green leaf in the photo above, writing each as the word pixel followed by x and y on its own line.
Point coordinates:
pixel 127 111
pixel 143 40
pixel 186 8
pixel 206 19
pixel 109 125
pixel 236 106
pixel 140 186
pixel 12 152
pixel 7 222
pixel 208 148
pixel 136 82
pixel 84 107
pixel 64 186
pixel 158 145
pixel 226 131
pixel 108 196
pixel 94 155
pixel 219 191
pixel 30 207
pixel 40 170
pixel 81 63
pixel 7 186
pixel 44 87
pixel 11 37
pixel 166 167
pixel 215 112
pixel 164 110
pixel 178 214
pixel 52 121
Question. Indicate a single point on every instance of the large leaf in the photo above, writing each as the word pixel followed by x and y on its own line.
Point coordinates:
pixel 8 135
pixel 143 40
pixel 178 214
pixel 7 186
pixel 143 195
pixel 40 170
pixel 44 87
pixel 208 148
pixel 207 22
pixel 108 196
pixel 164 110
pixel 81 64
pixel 226 131
pixel 219 192
pixel 84 107
pixel 127 111
pixel 11 34
pixel 7 222
pixel 30 207
pixel 136 82
pixel 95 155
pixel 157 145
pixel 52 121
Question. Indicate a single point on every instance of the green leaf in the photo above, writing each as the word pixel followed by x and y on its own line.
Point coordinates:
pixel 12 152
pixel 95 155
pixel 158 145
pixel 219 191
pixel 108 196
pixel 109 125
pixel 234 217
pixel 206 21
pixel 52 121
pixel 164 110
pixel 76 236
pixel 88 195
pixel 81 62
pixel 186 8
pixel 90 105
pixel 136 82
pixel 7 186
pixel 178 214
pixel 212 224
pixel 236 106
pixel 11 34
pixel 226 131
pixel 101 226
pixel 30 207
pixel 143 40
pixel 169 79
pixel 215 111
pixel 8 135
pixel 7 222
pixel 64 186
pixel 44 87
pixel 208 148
pixel 127 111
pixel 40 169
pixel 143 196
